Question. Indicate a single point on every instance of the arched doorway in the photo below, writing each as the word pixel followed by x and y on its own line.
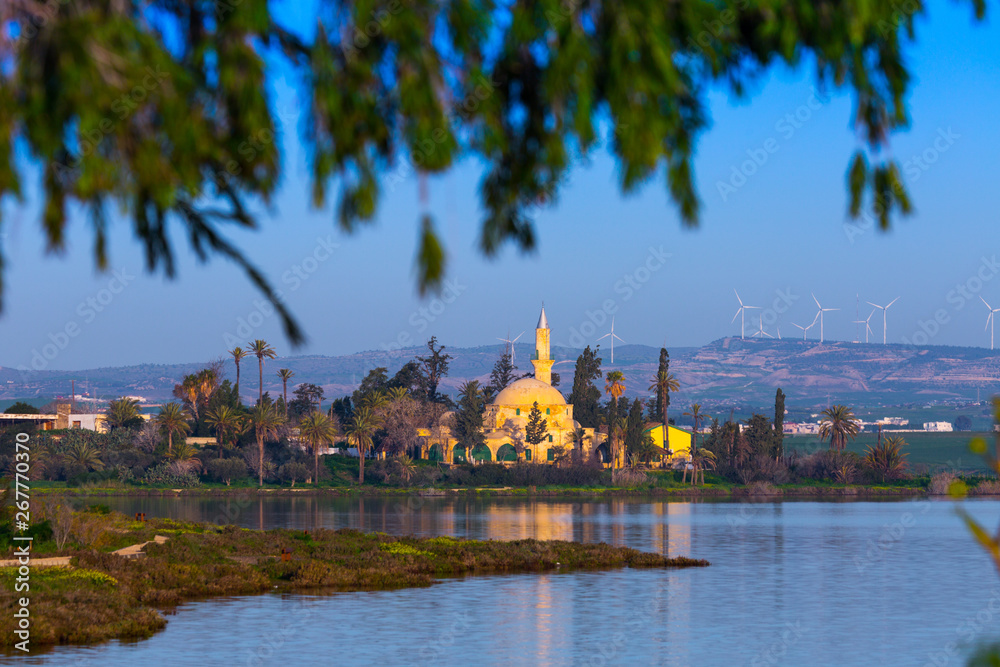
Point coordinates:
pixel 458 454
pixel 435 453
pixel 482 453
pixel 602 453
pixel 506 452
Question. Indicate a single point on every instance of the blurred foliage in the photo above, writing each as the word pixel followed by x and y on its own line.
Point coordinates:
pixel 158 109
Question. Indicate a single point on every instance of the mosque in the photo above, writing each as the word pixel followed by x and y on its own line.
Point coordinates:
pixel 505 419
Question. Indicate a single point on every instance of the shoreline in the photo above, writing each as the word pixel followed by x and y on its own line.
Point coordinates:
pixel 127 593
pixel 736 493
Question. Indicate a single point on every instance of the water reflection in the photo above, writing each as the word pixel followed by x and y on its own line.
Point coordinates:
pixel 790 584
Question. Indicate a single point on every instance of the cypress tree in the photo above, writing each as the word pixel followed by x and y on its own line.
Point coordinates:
pixel 663 368
pixel 537 428
pixel 585 396
pixel 779 424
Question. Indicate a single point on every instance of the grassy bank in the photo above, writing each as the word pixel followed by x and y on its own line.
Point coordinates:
pixel 104 596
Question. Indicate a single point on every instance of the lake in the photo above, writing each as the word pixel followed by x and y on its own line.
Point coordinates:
pixel 791 583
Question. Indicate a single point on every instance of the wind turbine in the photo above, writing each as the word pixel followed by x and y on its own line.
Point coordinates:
pixel 989 319
pixel 741 313
pixel 883 309
pixel 510 344
pixel 804 329
pixel 819 314
pixel 867 323
pixel 760 327
pixel 613 336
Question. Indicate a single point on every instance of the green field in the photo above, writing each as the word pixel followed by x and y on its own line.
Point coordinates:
pixel 937 450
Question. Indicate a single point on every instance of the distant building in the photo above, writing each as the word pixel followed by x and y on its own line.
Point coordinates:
pixel 893 421
pixel 801 428
pixel 938 426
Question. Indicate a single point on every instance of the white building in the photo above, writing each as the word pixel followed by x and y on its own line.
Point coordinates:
pixel 938 426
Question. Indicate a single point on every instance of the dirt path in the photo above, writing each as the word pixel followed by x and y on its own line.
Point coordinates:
pixel 38 562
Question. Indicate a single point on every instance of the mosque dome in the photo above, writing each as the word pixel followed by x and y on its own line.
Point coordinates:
pixel 527 391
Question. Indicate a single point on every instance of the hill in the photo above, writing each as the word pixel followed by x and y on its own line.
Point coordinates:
pixel 728 371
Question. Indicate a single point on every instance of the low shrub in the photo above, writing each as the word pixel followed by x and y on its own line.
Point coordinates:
pixel 940 483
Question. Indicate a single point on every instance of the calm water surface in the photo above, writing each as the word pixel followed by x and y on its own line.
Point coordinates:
pixel 791 583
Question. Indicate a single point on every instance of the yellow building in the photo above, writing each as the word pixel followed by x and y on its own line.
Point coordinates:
pixel 505 419
pixel 679 440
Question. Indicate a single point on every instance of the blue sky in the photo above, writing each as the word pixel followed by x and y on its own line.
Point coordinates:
pixel 777 237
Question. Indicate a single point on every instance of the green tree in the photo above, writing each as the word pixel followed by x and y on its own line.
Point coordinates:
pixel 469 416
pixel 285 375
pixel 759 435
pixel 228 424
pixel 172 420
pixel 778 446
pixel 537 428
pixel 317 430
pixel 697 417
pixel 435 367
pixel 265 420
pixel 838 423
pixel 238 354
pixel 83 457
pixel 198 148
pixel 634 428
pixel 662 397
pixel 308 397
pixel 123 413
pixel 22 408
pixel 377 380
pixel 663 384
pixel 503 373
pixel 410 377
pixel 614 384
pixel 360 431
pixel 262 350
pixel 585 397
pixel 886 460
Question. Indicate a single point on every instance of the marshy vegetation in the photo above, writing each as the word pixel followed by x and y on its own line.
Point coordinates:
pixel 103 595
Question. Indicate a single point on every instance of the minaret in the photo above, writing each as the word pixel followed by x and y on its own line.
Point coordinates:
pixel 541 359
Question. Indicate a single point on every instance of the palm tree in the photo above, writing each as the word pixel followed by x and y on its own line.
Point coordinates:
pixel 406 467
pixel 239 354
pixel 262 350
pixel 664 383
pixel 172 419
pixel 317 429
pixel 697 417
pixel 615 384
pixel 84 455
pixel 285 376
pixel 616 438
pixel 701 459
pixel 122 412
pixel 838 424
pixel 398 393
pixel 360 431
pixel 227 423
pixel 184 458
pixel 887 459
pixel 265 420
